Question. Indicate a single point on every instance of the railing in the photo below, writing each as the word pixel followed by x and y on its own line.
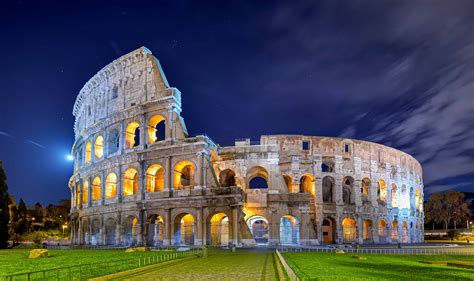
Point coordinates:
pixel 384 251
pixel 91 270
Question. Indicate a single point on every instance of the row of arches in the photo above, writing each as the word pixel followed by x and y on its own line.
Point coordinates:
pixel 350 231
pixel 154 182
pixel 156 131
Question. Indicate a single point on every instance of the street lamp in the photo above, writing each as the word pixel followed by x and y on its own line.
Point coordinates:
pixel 64 228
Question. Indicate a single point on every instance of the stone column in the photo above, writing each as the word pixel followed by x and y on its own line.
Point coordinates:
pixel 142 180
pixel 90 221
pixel 199 231
pixel 340 237
pixel 169 129
pixel 389 234
pixel 199 178
pixel 167 223
pixel 168 175
pixel 375 230
pixel 118 231
pixel 373 193
pixel 274 231
pixel 143 131
pixel 102 230
pixel 102 187
pixel 337 190
pixel 360 230
pixel 235 225
pixel 356 191
pixel 89 192
pixel 119 191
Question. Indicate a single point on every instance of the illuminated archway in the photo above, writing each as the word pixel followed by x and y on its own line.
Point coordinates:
pixel 111 186
pixel 258 226
pixel 227 178
pixel 364 190
pixel 156 129
pixel 184 175
pixel 289 230
pixel 395 231
pixel 130 182
pixel 99 147
pixel 257 177
pixel 184 229
pixel 78 195
pixel 130 227
pixel 382 231
pixel 368 231
pixel 155 230
pixel 155 179
pixel 132 135
pixel 85 192
pixel 88 156
pixel 382 191
pixel 288 182
pixel 394 196
pixel 405 233
pixel 329 231
pixel 417 199
pixel 307 184
pixel 405 198
pixel 96 189
pixel 219 230
pixel 349 230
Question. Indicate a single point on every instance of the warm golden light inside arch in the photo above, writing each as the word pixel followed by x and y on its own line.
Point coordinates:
pixel 349 229
pixel 154 121
pixel 183 175
pixel 111 186
pixel 130 134
pixel 155 179
pixel 88 157
pixel 96 189
pixel 99 147
pixel 85 192
pixel 382 190
pixel 130 182
pixel 365 186
pixel 308 184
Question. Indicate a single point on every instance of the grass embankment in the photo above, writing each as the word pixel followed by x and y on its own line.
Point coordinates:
pixel 330 266
pixel 219 265
pixel 16 261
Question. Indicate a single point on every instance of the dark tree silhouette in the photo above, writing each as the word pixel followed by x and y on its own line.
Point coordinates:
pixel 4 210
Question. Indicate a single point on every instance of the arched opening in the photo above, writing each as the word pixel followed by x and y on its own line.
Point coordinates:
pixel 364 190
pixel 99 147
pixel 155 230
pixel 349 230
pixel 110 232
pixel 289 230
pixel 78 195
pixel 96 189
pixel 156 129
pixel 417 199
pixel 347 187
pixel 329 231
pixel 328 189
pixel 382 231
pixel 257 177
pixel 130 182
pixel 395 231
pixel 227 178
pixel 368 231
pixel 155 179
pixel 405 232
pixel 85 232
pixel 113 141
pixel 184 175
pixel 111 186
pixel 258 226
pixel 130 227
pixel 88 156
pixel 184 229
pixel 85 192
pixel 394 196
pixel 382 191
pixel 288 182
pixel 95 235
pixel 307 184
pixel 132 135
pixel 219 230
pixel 405 198
pixel 327 167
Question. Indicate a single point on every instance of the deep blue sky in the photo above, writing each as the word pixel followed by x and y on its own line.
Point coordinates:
pixel 399 73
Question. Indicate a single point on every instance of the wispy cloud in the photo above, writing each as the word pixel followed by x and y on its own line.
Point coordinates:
pixel 8 135
pixel 35 143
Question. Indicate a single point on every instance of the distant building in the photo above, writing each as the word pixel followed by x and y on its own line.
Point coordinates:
pixel 139 178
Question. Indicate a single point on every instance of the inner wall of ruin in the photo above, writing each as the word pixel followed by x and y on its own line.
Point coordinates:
pixel 140 179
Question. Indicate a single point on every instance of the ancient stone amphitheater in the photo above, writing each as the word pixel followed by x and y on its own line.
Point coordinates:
pixel 140 179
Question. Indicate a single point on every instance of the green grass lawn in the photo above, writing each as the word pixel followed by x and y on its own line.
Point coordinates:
pixel 330 266
pixel 16 261
pixel 219 265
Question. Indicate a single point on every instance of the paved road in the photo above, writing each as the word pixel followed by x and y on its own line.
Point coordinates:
pixel 219 265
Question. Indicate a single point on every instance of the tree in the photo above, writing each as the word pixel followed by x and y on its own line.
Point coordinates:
pixel 4 209
pixel 447 207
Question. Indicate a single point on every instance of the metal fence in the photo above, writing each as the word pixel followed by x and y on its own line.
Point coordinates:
pixel 384 251
pixel 91 270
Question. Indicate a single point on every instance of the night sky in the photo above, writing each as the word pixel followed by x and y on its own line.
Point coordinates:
pixel 400 73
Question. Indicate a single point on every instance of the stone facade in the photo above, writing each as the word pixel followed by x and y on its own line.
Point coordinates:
pixel 139 179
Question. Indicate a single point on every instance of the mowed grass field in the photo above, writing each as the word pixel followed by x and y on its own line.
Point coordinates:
pixel 16 261
pixel 330 266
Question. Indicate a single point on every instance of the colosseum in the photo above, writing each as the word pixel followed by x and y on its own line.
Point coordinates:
pixel 140 179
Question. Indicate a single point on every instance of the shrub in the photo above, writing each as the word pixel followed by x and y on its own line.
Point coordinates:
pixel 453 233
